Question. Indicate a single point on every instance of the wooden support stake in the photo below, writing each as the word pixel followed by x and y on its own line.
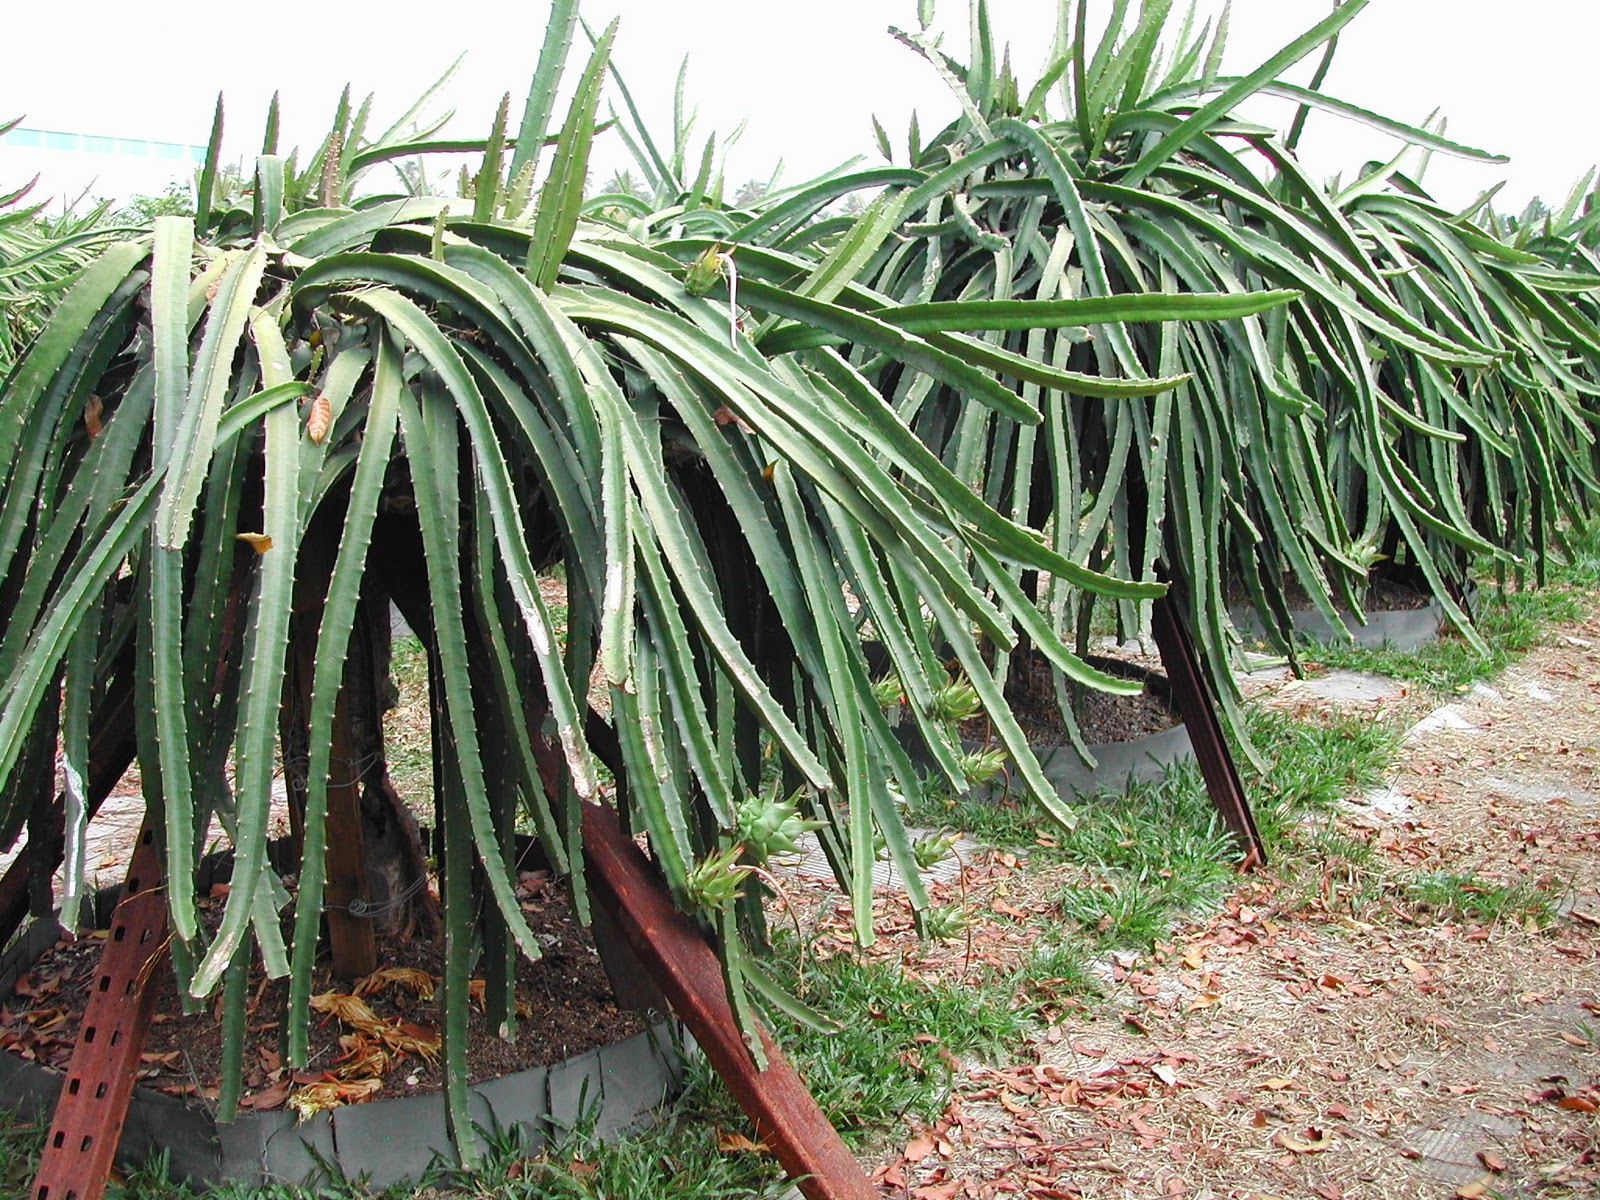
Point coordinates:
pixel 352 941
pixel 1195 705
pixel 82 1142
pixel 684 966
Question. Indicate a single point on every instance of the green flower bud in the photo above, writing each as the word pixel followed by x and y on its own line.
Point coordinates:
pixel 716 879
pixel 931 851
pixel 705 271
pixel 982 765
pixel 888 693
pixel 946 922
pixel 771 826
pixel 955 702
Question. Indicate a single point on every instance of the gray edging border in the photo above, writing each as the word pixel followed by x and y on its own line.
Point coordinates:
pixel 617 1086
pixel 1402 629
pixel 1118 765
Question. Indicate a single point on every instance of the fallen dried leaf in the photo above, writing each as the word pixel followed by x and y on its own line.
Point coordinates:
pixel 418 983
pixel 270 1098
pixel 1314 1142
pixel 737 1143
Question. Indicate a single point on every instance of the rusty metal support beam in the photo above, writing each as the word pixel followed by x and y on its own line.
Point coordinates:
pixel 1195 704
pixel 78 1152
pixel 685 968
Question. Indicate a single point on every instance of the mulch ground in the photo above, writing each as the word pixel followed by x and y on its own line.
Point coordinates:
pixel 1319 1037
pixel 565 1006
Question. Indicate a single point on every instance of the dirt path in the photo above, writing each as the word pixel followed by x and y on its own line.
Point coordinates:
pixel 1343 1040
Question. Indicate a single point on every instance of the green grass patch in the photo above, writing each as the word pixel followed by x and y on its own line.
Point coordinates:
pixel 1054 977
pixel 407 727
pixel 1149 854
pixel 676 1159
pixel 880 1068
pixel 1469 897
pixel 1161 850
pixel 1312 764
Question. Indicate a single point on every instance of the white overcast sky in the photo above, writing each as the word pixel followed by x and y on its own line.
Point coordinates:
pixel 1513 78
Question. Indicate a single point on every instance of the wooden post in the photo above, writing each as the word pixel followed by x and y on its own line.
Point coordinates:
pixel 1195 705
pixel 352 940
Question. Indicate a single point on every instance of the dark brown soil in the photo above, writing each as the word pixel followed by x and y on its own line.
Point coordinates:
pixel 1105 719
pixel 1383 595
pixel 1102 718
pixel 565 1000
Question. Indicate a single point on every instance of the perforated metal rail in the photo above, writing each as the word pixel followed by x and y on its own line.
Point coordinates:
pixel 94 1096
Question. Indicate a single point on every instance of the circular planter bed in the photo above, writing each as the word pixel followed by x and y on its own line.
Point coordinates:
pixel 1398 628
pixel 1133 740
pixel 1400 614
pixel 616 1086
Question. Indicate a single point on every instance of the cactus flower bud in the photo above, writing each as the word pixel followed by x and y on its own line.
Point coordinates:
pixel 771 826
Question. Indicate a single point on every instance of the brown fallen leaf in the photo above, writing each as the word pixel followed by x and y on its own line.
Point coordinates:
pixel 1314 1142
pixel 737 1143
pixel 270 1098
pixel 331 1093
pixel 1011 1106
pixel 418 983
pixel 919 1147
pixel 1491 1160
pixel 1573 1039
pixel 1578 1104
